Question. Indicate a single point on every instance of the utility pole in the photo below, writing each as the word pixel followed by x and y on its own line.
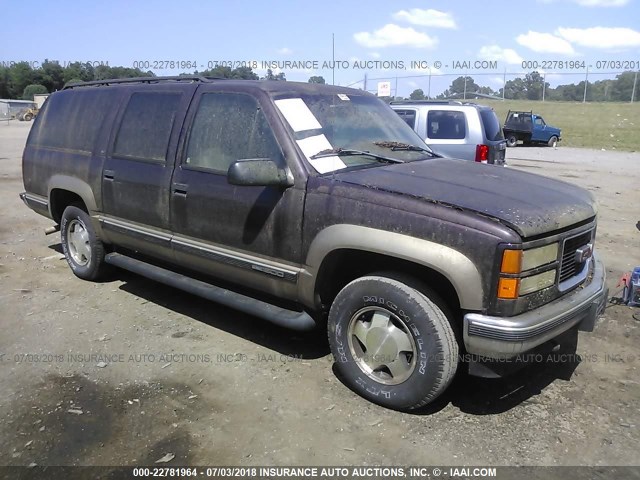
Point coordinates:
pixel 365 82
pixel 464 94
pixel 504 82
pixel 544 84
pixel 429 89
pixel 633 90
pixel 586 81
pixel 333 59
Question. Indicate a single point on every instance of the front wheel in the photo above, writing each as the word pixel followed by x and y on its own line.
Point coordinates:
pixel 553 141
pixel 391 342
pixel 512 141
pixel 81 246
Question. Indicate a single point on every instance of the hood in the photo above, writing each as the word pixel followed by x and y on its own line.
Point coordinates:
pixel 530 204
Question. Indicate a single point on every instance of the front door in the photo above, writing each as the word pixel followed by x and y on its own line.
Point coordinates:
pixel 247 235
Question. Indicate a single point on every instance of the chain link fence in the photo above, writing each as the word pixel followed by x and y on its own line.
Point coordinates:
pixel 585 86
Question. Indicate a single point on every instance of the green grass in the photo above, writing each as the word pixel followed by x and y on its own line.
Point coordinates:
pixel 612 126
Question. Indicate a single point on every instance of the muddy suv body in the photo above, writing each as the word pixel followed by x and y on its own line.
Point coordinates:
pixel 456 129
pixel 314 206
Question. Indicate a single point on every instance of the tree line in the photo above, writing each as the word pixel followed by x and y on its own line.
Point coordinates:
pixel 533 87
pixel 21 81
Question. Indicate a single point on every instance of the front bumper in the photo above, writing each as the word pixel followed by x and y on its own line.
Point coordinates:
pixel 507 337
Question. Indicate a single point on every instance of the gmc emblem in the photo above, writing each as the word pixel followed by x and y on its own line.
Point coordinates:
pixel 584 253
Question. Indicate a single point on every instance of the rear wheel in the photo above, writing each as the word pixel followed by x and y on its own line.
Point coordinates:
pixel 553 141
pixel 392 343
pixel 28 117
pixel 512 141
pixel 82 248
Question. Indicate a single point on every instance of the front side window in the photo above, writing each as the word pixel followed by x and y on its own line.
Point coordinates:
pixel 446 125
pixel 539 121
pixel 146 126
pixel 229 127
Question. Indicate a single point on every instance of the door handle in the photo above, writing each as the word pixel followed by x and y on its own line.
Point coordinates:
pixel 109 174
pixel 180 189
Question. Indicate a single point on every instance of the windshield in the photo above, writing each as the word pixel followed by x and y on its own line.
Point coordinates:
pixel 349 122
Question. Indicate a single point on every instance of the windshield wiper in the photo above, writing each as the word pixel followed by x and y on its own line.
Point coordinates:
pixel 395 146
pixel 330 152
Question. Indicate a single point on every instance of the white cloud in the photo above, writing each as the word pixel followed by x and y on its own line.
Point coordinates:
pixel 284 51
pixel 494 52
pixel 374 55
pixel 602 3
pixel 544 43
pixel 601 37
pixel 426 18
pixel 392 35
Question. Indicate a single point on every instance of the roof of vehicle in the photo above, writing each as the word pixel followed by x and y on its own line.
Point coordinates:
pixel 270 86
pixel 421 103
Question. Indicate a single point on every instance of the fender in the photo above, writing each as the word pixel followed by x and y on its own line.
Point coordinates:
pixel 79 187
pixel 456 267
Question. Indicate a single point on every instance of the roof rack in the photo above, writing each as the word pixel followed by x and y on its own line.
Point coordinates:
pixel 189 78
pixel 430 102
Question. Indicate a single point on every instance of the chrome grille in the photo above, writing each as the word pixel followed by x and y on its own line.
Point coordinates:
pixel 568 265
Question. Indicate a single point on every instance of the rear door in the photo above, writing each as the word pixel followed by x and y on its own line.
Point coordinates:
pixel 137 171
pixel 493 136
pixel 247 235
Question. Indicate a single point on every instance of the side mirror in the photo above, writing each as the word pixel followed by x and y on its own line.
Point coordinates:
pixel 261 172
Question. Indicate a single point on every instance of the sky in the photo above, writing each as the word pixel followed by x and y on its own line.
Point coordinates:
pixel 409 43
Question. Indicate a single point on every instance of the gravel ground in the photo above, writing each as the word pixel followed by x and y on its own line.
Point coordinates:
pixel 212 386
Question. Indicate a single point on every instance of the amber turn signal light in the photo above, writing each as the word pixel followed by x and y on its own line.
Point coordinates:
pixel 508 288
pixel 511 261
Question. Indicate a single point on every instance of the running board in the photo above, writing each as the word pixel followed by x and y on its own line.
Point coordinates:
pixel 291 319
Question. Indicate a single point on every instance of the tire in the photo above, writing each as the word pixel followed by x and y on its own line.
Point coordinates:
pixel 512 141
pixel 553 141
pixel 28 117
pixel 81 246
pixel 391 342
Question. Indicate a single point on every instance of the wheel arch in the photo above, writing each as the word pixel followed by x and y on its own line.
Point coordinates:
pixel 341 253
pixel 64 191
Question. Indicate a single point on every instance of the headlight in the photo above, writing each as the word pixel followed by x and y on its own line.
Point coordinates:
pixel 516 264
pixel 537 257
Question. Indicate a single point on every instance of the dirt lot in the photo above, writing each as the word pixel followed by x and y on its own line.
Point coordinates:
pixel 213 386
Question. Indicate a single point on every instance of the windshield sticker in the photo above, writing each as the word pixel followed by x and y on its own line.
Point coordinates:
pixel 298 114
pixel 312 145
pixel 342 96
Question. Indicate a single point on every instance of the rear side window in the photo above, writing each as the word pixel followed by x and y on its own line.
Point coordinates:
pixel 146 126
pixel 446 124
pixel 492 128
pixel 409 116
pixel 72 119
pixel 229 127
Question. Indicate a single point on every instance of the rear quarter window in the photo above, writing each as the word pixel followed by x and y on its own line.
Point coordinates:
pixel 492 128
pixel 72 119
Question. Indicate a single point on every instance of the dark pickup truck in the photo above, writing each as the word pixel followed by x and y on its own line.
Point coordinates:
pixel 529 128
pixel 317 207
